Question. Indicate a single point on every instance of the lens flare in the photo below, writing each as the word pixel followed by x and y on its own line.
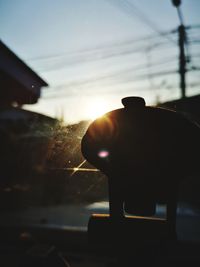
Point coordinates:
pixel 103 154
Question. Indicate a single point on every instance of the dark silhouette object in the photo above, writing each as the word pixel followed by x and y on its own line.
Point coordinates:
pixel 18 82
pixel 145 152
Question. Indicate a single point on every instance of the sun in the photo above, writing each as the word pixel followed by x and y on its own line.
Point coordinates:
pixel 96 108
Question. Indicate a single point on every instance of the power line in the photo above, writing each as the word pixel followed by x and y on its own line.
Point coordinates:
pixel 118 81
pixel 129 6
pixel 133 11
pixel 116 78
pixel 138 89
pixel 89 52
pixel 134 69
pixel 194 26
pixel 65 63
pixel 197 41
pixel 100 49
pixel 135 78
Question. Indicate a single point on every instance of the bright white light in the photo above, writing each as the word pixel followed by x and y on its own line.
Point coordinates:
pixel 96 108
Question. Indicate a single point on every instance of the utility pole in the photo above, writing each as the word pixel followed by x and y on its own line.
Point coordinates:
pixel 181 43
pixel 182 60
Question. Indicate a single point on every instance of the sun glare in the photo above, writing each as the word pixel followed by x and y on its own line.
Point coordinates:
pixel 96 108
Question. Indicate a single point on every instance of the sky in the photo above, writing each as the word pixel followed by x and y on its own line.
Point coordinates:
pixel 92 53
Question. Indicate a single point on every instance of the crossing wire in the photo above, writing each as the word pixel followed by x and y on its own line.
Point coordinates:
pixel 132 10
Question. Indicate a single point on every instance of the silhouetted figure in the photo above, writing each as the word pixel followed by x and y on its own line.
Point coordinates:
pixel 145 152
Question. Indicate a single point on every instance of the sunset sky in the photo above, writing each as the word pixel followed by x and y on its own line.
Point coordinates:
pixel 94 52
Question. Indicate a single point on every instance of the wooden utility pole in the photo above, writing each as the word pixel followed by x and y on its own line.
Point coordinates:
pixel 182 60
pixel 181 42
